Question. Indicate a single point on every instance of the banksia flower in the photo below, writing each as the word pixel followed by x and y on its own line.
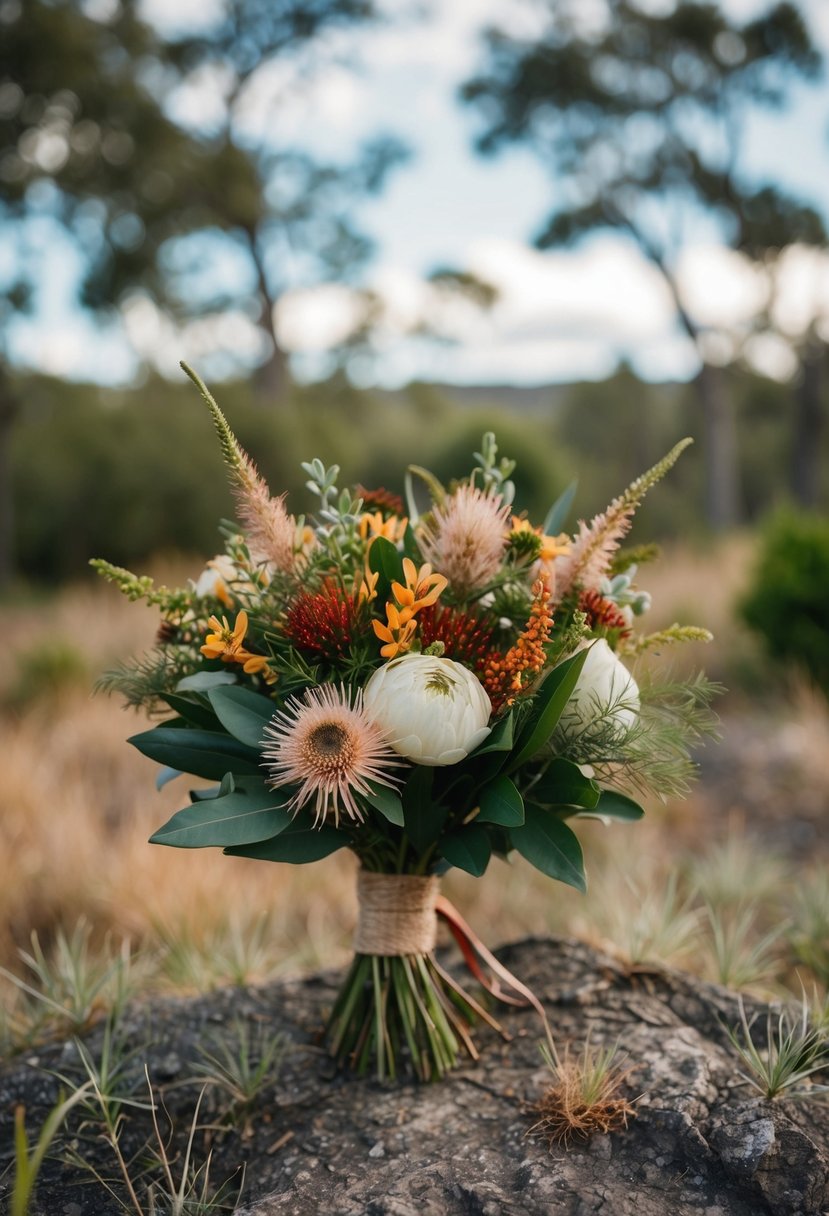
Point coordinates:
pixel 506 676
pixel 603 616
pixel 466 537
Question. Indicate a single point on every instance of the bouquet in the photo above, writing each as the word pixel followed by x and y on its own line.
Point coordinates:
pixel 427 683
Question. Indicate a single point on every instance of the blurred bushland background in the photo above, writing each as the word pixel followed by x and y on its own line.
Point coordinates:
pixel 377 230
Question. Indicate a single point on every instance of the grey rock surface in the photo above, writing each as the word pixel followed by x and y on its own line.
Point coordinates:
pixel 319 1142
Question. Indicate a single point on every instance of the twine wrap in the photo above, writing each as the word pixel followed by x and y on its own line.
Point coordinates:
pixel 397 914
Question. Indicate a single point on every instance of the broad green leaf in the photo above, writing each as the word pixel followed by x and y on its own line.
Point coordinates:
pixel 165 775
pixel 243 713
pixel 501 803
pixel 547 708
pixel 239 818
pixel 299 843
pixel 614 805
pixel 203 753
pixel 499 738
pixel 550 846
pixel 203 681
pixel 468 848
pixel 383 559
pixel 558 512
pixel 387 801
pixel 195 713
pixel 563 784
pixel 423 817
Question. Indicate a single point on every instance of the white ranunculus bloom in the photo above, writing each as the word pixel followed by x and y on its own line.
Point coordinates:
pixel 433 710
pixel 606 693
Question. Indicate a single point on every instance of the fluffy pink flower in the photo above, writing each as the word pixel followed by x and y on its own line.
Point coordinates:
pixel 331 748
pixel 271 531
pixel 466 537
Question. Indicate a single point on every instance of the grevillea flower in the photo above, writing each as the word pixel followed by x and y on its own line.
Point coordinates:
pixel 506 676
pixel 325 622
pixel 466 537
pixel 602 614
pixel 434 711
pixel 331 748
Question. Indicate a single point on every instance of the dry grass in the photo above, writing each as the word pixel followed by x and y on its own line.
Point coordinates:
pixel 586 1096
pixel 77 806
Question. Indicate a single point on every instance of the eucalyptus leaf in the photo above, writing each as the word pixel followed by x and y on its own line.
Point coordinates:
pixel 243 713
pixel 501 803
pixel 550 846
pixel 203 753
pixel 203 681
pixel 558 512
pixel 238 818
pixel 468 848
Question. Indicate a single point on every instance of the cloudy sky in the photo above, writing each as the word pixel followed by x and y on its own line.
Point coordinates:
pixel 560 316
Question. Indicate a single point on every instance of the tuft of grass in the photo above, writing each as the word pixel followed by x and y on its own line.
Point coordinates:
pixel 809 936
pixel 741 959
pixel 240 1065
pixel 794 1050
pixel 586 1095
pixel 27 1161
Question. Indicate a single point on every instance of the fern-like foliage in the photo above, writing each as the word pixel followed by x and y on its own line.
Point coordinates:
pixel 665 637
pixel 143 681
pixel 597 542
pixel 653 755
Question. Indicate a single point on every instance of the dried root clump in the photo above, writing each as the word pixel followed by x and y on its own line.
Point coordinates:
pixel 585 1097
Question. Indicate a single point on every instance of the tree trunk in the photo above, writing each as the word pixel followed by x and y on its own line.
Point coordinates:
pixel 719 449
pixel 808 425
pixel 273 378
pixel 8 415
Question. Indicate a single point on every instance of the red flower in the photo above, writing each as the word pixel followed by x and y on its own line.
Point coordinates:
pixel 325 622
pixel 603 615
pixel 467 638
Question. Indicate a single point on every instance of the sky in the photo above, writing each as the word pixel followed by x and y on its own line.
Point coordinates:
pixel 560 316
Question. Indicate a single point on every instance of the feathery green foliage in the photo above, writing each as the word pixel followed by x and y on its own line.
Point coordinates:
pixel 231 449
pixel 665 637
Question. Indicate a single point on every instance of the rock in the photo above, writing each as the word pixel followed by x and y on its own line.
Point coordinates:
pixel 701 1144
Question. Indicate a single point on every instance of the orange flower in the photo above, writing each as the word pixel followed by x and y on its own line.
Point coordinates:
pixel 373 523
pixel 397 634
pixel 506 676
pixel 421 591
pixel 226 644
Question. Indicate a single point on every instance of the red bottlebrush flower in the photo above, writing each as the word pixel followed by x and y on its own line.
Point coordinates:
pixel 325 622
pixel 381 500
pixel 603 615
pixel 467 638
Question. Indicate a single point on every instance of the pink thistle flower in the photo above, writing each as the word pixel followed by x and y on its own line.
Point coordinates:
pixel 271 531
pixel 466 538
pixel 331 748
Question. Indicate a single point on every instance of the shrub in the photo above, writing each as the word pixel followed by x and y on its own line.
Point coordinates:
pixel 788 598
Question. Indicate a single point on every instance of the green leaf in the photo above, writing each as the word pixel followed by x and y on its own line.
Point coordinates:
pixel 383 559
pixel 547 708
pixel 563 784
pixel 387 801
pixel 501 803
pixel 550 846
pixel 203 681
pixel 165 775
pixel 499 738
pixel 411 549
pixel 242 817
pixel 299 843
pixel 243 713
pixel 203 753
pixel 195 713
pixel 558 512
pixel 423 817
pixel 468 848
pixel 614 805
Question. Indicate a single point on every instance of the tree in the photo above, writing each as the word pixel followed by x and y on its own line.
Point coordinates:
pixel 640 119
pixel 86 143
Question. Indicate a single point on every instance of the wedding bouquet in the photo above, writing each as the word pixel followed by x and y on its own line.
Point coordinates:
pixel 426 683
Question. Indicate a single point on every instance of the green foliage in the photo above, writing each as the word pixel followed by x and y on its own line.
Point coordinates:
pixel 27 1161
pixel 240 1063
pixel 792 1051
pixel 787 601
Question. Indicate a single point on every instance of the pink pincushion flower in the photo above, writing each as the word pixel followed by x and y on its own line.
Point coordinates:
pixel 331 748
pixel 466 537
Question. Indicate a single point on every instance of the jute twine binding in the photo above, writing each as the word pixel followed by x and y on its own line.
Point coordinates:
pixel 397 914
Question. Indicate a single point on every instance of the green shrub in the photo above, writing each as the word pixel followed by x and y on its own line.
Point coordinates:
pixel 788 599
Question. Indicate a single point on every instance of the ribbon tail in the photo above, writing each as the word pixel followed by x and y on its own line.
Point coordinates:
pixel 473 950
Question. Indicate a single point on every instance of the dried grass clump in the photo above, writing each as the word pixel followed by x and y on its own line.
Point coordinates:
pixel 586 1096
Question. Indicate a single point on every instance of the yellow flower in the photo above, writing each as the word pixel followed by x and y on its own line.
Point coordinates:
pixel 397 634
pixel 367 589
pixel 551 547
pixel 226 644
pixel 372 524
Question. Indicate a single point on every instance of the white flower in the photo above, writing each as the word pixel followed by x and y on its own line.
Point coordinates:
pixel 215 578
pixel 433 710
pixel 606 694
